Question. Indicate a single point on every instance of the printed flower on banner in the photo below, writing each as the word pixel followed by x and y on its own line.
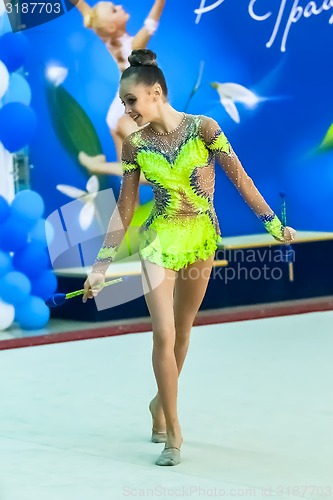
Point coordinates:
pixel 233 92
pixel 56 74
pixel 87 212
pixel 196 86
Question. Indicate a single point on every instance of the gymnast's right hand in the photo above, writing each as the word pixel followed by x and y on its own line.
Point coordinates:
pixel 93 285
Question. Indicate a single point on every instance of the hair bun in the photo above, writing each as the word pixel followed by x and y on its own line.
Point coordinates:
pixel 142 57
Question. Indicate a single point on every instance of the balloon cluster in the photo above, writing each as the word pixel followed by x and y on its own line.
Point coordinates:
pixel 17 120
pixel 26 279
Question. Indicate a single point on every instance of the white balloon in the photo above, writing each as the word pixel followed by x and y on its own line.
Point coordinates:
pixel 4 78
pixel 7 182
pixel 7 314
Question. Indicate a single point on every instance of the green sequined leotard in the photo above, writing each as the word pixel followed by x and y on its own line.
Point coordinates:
pixel 182 227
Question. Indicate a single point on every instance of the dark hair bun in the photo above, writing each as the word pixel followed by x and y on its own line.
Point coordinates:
pixel 142 57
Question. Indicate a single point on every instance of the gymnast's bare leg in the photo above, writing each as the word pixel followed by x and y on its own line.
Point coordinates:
pixel 173 306
pixel 98 164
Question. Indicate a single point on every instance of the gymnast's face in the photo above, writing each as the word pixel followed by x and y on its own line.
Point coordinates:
pixel 111 16
pixel 140 101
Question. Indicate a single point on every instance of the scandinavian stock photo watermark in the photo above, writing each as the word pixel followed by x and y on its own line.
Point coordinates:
pixel 262 263
pixel 196 491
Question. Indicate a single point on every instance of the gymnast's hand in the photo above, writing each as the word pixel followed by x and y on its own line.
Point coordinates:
pixel 93 285
pixel 289 235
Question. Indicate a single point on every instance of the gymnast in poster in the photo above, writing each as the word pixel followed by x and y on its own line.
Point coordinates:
pixel 109 22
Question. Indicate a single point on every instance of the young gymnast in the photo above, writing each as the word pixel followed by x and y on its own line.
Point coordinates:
pixel 176 153
pixel 108 21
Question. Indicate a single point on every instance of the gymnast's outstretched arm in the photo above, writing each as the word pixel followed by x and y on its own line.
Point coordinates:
pixel 143 36
pixel 82 6
pixel 217 142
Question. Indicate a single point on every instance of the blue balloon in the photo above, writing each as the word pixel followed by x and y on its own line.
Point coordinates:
pixel 5 263
pixel 32 260
pixel 41 232
pixel 4 209
pixel 38 232
pixel 18 125
pixel 45 285
pixel 27 207
pixel 32 314
pixel 15 288
pixel 18 90
pixel 13 235
pixel 14 48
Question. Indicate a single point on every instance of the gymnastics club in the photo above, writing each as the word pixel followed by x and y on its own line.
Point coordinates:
pixel 58 299
pixel 288 256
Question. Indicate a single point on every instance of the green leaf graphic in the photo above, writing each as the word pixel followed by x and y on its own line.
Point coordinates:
pixel 72 125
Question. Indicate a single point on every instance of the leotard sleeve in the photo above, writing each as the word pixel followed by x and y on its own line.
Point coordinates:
pixel 217 142
pixel 123 212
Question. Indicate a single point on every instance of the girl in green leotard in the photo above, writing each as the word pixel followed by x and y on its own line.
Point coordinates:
pixel 176 153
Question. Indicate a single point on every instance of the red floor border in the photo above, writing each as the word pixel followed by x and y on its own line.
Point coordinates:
pixel 260 311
